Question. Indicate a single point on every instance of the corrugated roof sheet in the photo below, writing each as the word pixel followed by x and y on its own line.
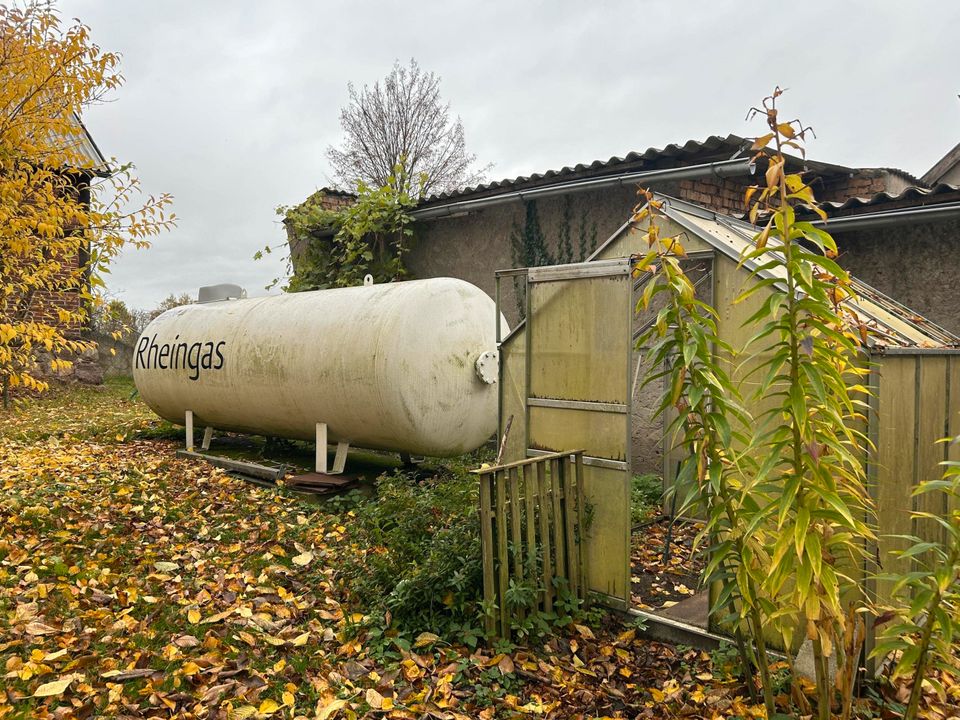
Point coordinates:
pixel 912 194
pixel 89 148
pixel 714 144
pixel 909 177
pixel 82 142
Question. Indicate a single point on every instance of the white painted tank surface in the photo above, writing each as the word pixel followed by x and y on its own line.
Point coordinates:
pixel 391 366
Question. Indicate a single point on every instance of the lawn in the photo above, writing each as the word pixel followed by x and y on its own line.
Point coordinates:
pixel 136 584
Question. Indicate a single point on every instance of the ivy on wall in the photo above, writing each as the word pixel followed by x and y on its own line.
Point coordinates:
pixel 530 247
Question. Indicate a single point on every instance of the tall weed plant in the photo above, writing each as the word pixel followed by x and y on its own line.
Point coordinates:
pixel 776 471
pixel 920 628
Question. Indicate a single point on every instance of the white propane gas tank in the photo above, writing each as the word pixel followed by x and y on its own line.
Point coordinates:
pixel 408 367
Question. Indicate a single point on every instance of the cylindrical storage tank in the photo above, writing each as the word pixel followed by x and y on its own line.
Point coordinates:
pixel 390 366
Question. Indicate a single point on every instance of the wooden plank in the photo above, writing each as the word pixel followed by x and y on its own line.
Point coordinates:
pixel 556 480
pixel 896 445
pixel 527 461
pixel 530 503
pixel 512 476
pixel 575 271
pixel 486 545
pixel 870 568
pixel 588 460
pixel 952 451
pixel 581 513
pixel 503 560
pixel 543 501
pixel 252 469
pixel 591 405
pixel 931 426
pixel 315 479
pixel 569 513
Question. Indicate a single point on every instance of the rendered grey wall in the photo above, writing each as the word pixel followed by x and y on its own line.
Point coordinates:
pixel 918 265
pixel 473 246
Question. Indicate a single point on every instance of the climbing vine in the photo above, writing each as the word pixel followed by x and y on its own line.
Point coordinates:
pixel 337 248
pixel 531 247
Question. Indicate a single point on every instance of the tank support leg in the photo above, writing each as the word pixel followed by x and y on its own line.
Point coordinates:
pixel 409 460
pixel 189 430
pixel 322 448
pixel 339 460
pixel 207 437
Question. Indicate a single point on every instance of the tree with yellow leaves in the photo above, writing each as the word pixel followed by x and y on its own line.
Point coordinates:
pixel 64 214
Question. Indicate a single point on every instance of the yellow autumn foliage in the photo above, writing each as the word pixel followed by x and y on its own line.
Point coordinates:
pixel 64 216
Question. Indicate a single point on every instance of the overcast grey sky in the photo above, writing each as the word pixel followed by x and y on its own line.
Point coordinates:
pixel 230 105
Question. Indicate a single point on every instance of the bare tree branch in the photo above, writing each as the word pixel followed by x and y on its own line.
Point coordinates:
pixel 403 122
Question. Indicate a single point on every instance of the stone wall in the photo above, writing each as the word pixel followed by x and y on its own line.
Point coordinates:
pixel 118 363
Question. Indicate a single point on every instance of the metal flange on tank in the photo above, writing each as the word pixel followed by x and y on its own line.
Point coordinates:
pixel 408 367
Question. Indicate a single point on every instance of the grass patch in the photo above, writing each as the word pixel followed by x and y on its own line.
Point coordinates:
pixel 107 412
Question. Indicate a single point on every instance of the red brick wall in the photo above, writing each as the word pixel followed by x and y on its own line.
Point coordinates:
pixel 335 200
pixel 726 194
pixel 46 302
pixel 65 291
pixel 719 194
pixel 862 183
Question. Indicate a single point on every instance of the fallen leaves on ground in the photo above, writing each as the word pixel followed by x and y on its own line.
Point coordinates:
pixel 659 583
pixel 134 584
pixel 940 699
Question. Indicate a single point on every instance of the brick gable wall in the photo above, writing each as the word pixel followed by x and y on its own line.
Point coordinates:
pixel 45 303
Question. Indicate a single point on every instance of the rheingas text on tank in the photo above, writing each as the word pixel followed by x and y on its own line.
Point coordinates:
pixel 177 356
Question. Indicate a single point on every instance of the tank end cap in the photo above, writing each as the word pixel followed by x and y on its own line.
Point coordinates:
pixel 488 366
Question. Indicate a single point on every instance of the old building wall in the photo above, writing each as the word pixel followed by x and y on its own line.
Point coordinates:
pixel 45 303
pixel 474 245
pixel 915 264
pixel 64 293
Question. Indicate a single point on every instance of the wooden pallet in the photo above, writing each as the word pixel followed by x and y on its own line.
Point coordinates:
pixel 320 483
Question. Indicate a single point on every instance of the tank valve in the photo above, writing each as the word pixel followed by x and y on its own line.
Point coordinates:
pixel 488 366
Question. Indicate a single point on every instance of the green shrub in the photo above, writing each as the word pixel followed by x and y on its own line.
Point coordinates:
pixel 416 552
pixel 645 495
pixel 415 557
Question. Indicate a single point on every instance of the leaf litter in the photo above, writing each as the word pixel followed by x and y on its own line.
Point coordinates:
pixel 134 584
